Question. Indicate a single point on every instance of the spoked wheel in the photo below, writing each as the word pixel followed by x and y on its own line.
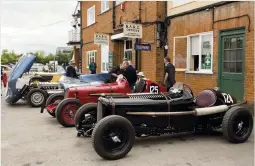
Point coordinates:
pixel 237 124
pixel 113 137
pixel 66 111
pixel 85 118
pixel 36 97
pixel 53 98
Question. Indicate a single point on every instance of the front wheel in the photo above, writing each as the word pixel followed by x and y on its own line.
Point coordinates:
pixel 113 137
pixel 52 99
pixel 36 97
pixel 237 124
pixel 66 111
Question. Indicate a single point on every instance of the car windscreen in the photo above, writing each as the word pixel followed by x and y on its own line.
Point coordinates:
pixel 95 77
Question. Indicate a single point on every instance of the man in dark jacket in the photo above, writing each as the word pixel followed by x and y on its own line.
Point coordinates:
pixel 93 67
pixel 169 79
pixel 129 74
pixel 70 70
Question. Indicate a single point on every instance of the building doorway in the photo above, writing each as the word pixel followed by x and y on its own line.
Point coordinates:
pixel 231 62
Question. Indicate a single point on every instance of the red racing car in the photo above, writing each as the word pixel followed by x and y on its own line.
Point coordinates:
pixel 64 106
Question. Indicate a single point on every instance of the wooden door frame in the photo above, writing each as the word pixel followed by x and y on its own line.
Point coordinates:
pixel 229 32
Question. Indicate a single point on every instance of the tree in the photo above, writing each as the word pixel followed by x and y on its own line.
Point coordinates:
pixel 8 57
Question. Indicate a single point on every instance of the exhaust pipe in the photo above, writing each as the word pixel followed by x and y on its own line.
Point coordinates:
pixel 195 112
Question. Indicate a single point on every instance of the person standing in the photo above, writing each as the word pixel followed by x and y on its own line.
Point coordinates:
pixel 169 79
pixel 115 72
pixel 93 67
pixel 129 74
pixel 70 70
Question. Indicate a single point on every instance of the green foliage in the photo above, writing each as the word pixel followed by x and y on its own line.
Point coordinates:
pixel 8 57
pixel 41 57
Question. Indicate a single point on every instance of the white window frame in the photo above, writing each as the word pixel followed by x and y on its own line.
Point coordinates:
pixel 89 20
pixel 118 2
pixel 200 71
pixel 105 6
pixel 89 56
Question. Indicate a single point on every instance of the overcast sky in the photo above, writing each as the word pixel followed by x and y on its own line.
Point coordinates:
pixel 18 17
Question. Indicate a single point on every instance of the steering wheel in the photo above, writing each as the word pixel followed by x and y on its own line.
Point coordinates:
pixel 186 87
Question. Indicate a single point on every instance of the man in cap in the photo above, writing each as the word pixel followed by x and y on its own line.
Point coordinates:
pixel 70 70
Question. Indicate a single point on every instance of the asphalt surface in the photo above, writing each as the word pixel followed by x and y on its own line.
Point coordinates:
pixel 30 138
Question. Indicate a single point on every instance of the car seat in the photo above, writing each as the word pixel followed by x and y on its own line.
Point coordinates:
pixel 140 86
pixel 206 98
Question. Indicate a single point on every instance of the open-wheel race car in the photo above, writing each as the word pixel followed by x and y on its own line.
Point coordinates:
pixel 119 119
pixel 75 97
pixel 36 92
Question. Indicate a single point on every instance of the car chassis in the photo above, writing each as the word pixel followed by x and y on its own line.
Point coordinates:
pixel 120 118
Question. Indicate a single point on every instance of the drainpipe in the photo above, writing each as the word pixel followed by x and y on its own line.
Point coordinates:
pixel 81 41
pixel 137 41
pixel 113 15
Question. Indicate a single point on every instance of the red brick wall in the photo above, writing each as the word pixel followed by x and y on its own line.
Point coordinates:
pixel 151 61
pixel 202 22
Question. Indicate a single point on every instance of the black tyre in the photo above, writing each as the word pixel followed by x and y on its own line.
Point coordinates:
pixel 113 137
pixel 90 110
pixel 52 99
pixel 37 79
pixel 66 111
pixel 36 97
pixel 237 124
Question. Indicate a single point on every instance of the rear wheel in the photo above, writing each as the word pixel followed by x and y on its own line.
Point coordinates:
pixel 66 111
pixel 36 97
pixel 86 117
pixel 52 99
pixel 113 137
pixel 237 124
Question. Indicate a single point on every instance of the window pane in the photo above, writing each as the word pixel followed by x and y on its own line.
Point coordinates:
pixel 240 42
pixel 206 51
pixel 239 54
pixel 227 55
pixel 227 43
pixel 194 42
pixel 226 67
pixel 239 67
pixel 233 43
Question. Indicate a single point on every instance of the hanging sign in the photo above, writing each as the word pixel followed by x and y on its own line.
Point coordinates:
pixel 132 30
pixel 101 39
pixel 143 47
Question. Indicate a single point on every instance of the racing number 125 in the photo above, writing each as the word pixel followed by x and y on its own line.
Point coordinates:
pixel 153 89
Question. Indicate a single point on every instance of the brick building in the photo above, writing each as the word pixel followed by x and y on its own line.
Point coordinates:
pixel 108 17
pixel 212 45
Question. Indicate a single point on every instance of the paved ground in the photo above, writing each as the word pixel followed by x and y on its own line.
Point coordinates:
pixel 30 138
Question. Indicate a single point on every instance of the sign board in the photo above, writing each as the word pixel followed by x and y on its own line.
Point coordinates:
pixel 132 30
pixel 101 39
pixel 143 47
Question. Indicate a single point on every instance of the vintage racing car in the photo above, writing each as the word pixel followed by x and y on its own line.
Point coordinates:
pixel 36 93
pixel 119 119
pixel 75 97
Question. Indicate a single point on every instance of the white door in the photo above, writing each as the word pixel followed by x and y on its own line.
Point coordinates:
pixel 104 58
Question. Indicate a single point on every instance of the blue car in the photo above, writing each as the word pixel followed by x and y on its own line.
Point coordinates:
pixel 36 94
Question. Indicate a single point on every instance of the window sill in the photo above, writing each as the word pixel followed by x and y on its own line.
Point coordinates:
pixel 103 12
pixel 199 72
pixel 91 25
